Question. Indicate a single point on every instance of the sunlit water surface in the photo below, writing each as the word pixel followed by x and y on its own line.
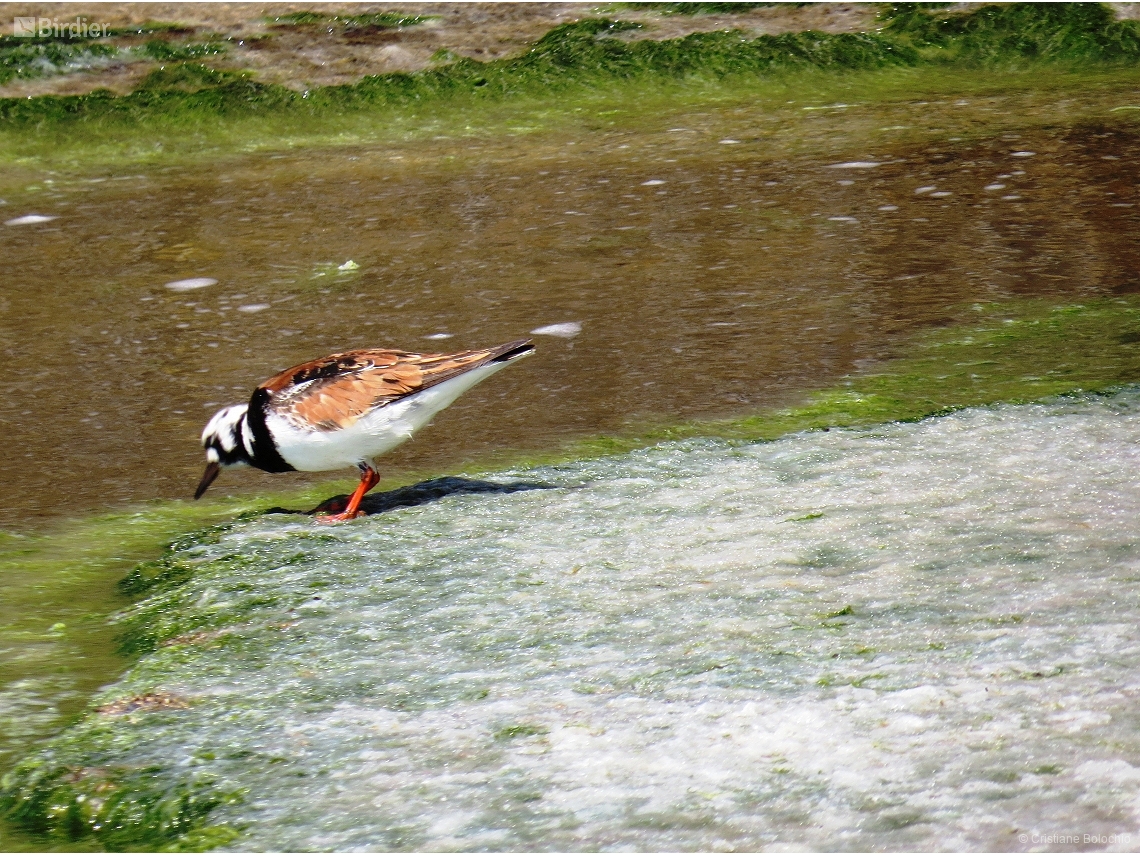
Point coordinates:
pixel 712 270
pixel 918 636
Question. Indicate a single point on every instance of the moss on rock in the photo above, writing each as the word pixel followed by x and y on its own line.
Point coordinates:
pixel 593 52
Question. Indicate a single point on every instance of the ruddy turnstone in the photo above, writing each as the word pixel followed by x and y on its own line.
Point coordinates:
pixel 344 410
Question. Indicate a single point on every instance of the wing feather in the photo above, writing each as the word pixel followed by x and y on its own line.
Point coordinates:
pixel 332 393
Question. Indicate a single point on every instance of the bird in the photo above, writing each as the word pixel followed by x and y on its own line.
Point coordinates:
pixel 344 410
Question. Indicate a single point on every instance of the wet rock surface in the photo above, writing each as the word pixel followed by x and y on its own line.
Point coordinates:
pixel 918 636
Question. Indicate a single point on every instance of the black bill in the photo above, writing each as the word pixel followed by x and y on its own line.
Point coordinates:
pixel 212 470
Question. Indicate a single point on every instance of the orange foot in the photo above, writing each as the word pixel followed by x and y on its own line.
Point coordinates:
pixel 368 480
pixel 344 516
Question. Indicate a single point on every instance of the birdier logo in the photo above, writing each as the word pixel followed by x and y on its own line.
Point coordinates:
pixel 44 28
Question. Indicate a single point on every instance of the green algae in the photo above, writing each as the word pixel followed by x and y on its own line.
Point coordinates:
pixel 569 56
pixel 770 107
pixel 164 51
pixel 575 61
pixel 125 808
pixel 1020 351
pixel 60 585
pixel 515 731
pixel 1054 32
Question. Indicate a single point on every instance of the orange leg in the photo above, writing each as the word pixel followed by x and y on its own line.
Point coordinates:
pixel 369 478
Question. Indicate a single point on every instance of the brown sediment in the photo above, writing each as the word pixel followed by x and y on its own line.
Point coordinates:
pixel 200 637
pixel 149 702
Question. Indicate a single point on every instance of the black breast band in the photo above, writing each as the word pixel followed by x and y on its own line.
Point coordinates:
pixel 265 453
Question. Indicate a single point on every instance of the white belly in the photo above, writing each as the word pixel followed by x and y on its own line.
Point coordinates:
pixel 374 434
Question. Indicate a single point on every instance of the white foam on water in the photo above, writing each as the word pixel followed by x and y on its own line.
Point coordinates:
pixel 916 636
pixel 30 219
pixel 191 284
pixel 563 330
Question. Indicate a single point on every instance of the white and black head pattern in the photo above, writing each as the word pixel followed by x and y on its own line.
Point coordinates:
pixel 236 436
pixel 224 437
pixel 226 444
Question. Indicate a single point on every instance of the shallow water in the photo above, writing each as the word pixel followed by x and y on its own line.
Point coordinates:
pixel 711 275
pixel 920 636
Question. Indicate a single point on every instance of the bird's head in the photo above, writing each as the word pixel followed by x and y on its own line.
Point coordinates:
pixel 225 444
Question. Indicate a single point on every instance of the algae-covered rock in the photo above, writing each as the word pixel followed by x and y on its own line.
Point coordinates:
pixel 873 635
pixel 589 52
pixel 124 806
